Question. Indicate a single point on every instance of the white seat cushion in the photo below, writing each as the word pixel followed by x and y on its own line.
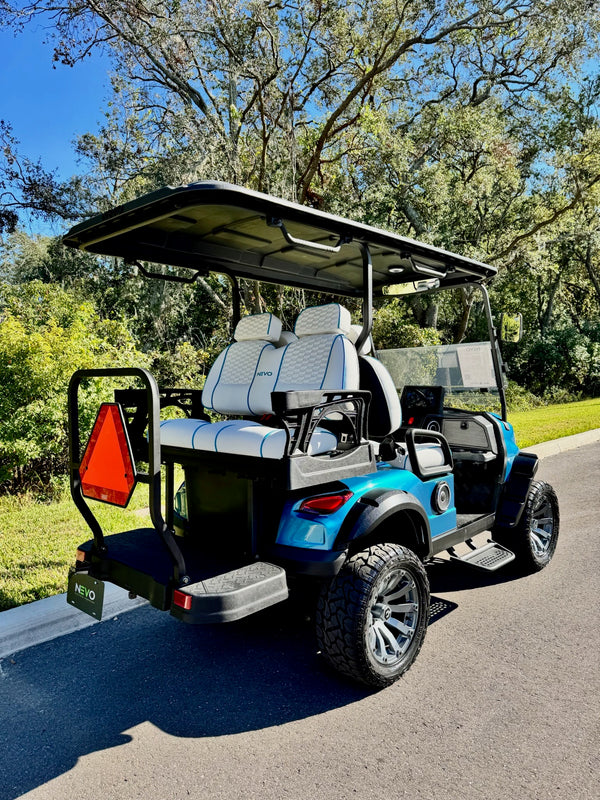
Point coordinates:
pixel 330 318
pixel 229 382
pixel 244 375
pixel 266 327
pixel 237 437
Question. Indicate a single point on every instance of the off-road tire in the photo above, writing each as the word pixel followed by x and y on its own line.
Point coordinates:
pixel 533 540
pixel 356 628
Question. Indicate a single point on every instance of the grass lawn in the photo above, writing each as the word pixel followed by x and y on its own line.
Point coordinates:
pixel 554 422
pixel 38 540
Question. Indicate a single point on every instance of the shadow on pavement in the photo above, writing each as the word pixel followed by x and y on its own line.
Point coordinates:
pixel 76 695
pixel 447 576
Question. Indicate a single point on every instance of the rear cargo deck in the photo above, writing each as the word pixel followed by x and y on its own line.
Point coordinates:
pixel 138 560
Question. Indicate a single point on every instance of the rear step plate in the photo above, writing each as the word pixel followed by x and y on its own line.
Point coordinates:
pixel 489 557
pixel 232 595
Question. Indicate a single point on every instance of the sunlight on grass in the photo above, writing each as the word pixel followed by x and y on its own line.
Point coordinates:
pixel 554 422
pixel 38 542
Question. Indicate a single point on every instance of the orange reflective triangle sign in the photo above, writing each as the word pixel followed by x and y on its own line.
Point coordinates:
pixel 107 470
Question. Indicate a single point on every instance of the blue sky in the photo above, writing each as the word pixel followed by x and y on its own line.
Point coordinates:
pixel 48 107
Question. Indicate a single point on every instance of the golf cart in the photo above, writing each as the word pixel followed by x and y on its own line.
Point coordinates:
pixel 308 458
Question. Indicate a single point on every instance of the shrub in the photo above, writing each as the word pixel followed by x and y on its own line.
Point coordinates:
pixel 46 333
pixel 391 329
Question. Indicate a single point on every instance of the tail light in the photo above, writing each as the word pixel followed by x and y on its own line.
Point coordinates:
pixel 325 503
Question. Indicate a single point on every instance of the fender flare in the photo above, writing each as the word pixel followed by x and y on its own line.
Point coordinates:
pixel 376 506
pixel 516 489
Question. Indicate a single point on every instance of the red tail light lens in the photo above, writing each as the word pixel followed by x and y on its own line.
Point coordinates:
pixel 182 600
pixel 325 503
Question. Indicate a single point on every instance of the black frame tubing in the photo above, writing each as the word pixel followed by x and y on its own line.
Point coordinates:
pixel 152 478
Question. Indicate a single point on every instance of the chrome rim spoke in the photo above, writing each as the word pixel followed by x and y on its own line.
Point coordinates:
pixel 401 627
pixel 393 624
pixel 541 529
pixel 402 607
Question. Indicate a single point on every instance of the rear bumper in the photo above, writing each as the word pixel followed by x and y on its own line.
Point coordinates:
pixel 231 595
pixel 139 562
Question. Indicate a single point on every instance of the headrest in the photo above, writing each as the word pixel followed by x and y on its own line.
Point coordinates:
pixel 353 334
pixel 258 326
pixel 332 318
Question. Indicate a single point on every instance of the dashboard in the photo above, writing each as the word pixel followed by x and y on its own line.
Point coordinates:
pixel 423 407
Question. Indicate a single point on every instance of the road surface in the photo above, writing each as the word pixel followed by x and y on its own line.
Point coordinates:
pixel 503 701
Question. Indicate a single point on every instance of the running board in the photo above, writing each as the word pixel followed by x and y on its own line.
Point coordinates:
pixel 489 557
pixel 232 595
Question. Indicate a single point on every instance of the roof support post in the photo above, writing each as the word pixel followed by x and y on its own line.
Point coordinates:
pixel 496 356
pixel 367 304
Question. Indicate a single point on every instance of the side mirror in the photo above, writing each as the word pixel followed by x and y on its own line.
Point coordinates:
pixel 511 327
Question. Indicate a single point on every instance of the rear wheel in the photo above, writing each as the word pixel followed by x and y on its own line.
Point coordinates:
pixel 533 540
pixel 372 618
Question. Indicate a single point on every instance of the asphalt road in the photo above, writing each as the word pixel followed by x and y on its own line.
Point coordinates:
pixel 503 701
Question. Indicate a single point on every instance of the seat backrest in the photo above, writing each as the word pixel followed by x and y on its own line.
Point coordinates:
pixel 321 357
pixel 229 382
pixel 385 411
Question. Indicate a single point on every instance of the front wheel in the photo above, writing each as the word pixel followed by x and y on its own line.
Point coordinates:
pixel 533 540
pixel 372 618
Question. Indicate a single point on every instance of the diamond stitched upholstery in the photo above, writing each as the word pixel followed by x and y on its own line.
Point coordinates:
pixel 324 361
pixel 230 379
pixel 331 318
pixel 258 326
pixel 244 375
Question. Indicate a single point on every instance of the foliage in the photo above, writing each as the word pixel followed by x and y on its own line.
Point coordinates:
pixel 45 334
pixel 471 125
pixel 184 368
pixel 392 328
pixel 562 363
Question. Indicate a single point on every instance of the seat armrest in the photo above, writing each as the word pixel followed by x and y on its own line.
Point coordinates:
pixel 284 402
pixel 300 412
pixel 424 473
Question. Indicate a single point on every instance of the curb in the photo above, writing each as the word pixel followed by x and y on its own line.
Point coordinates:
pixel 557 446
pixel 47 619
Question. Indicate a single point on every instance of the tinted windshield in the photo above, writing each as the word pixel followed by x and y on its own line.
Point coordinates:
pixel 426 328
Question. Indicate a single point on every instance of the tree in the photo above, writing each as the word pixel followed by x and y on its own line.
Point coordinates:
pixel 273 94
pixel 25 186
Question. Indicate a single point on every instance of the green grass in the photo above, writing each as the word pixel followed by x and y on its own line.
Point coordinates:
pixel 38 540
pixel 553 422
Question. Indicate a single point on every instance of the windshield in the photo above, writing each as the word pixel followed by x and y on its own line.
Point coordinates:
pixel 428 355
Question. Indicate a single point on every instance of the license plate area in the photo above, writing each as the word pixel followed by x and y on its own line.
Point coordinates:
pixel 86 594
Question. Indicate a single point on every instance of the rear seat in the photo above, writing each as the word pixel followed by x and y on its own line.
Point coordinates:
pixel 318 357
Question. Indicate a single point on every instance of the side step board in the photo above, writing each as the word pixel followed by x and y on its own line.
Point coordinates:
pixel 232 595
pixel 489 557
